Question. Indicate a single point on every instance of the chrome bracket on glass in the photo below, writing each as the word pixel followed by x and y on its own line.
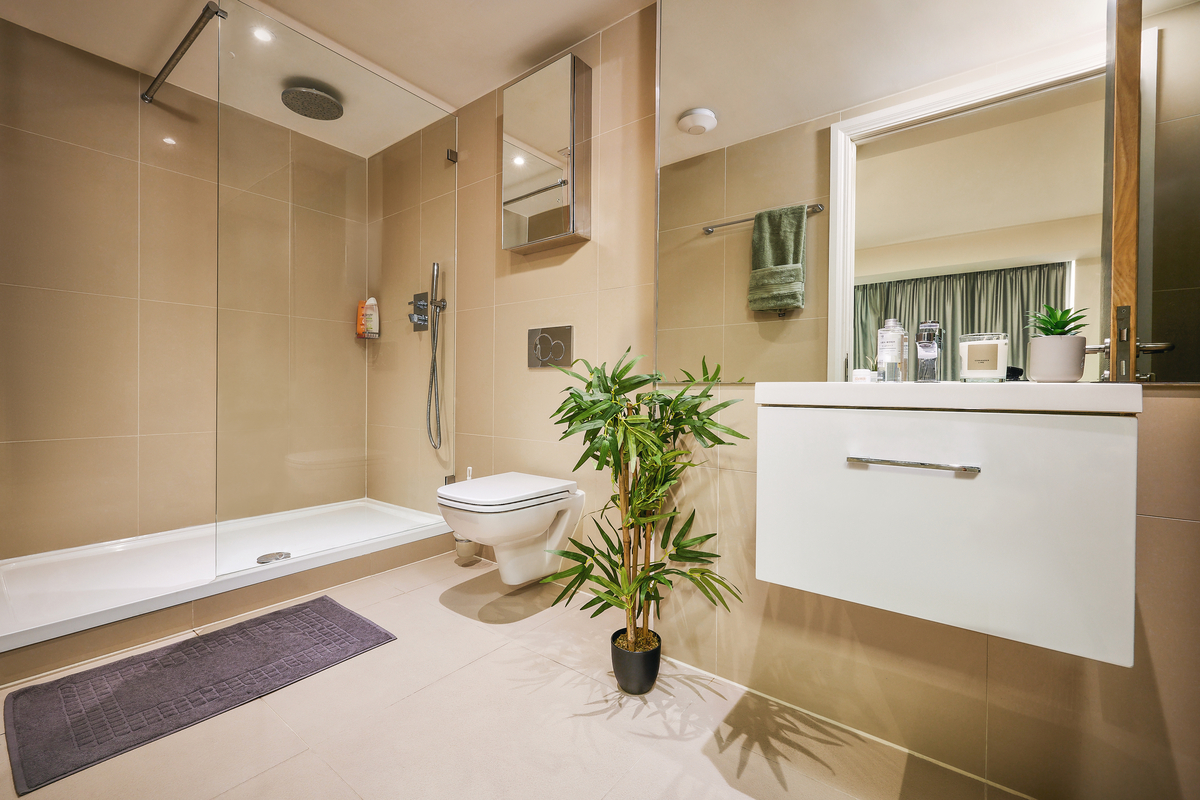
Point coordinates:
pixel 889 462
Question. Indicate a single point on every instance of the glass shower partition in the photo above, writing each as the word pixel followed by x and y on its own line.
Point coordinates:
pixel 335 185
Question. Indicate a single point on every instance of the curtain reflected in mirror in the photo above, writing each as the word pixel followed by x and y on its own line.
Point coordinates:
pixel 978 219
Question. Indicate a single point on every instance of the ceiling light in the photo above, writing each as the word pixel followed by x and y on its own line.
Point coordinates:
pixel 697 121
pixel 263 35
pixel 169 140
pixel 519 160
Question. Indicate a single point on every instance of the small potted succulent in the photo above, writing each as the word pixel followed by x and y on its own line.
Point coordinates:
pixel 1056 351
pixel 641 435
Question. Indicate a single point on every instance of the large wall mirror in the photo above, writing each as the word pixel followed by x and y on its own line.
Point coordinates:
pixel 976 178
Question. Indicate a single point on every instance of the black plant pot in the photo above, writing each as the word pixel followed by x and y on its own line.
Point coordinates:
pixel 636 672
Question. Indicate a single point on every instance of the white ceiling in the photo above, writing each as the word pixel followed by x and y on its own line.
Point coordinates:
pixel 454 50
pixel 769 64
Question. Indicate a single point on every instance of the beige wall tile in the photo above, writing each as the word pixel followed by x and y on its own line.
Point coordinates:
pixel 478 133
pixel 477 244
pixel 1169 453
pixel 785 350
pixel 783 168
pixel 190 121
pixel 626 320
pixel 177 385
pixel 67 493
pixel 65 651
pixel 326 464
pixel 691 278
pixel 438 173
pixel 68 216
pixel 177 481
pixel 1063 726
pixel 475 361
pixel 329 265
pixel 254 251
pixel 402 175
pixel 737 273
pixel 400 265
pixel 438 231
pixel 692 192
pixel 391 469
pixel 623 216
pixel 252 473
pixel 742 416
pixel 226 605
pixel 375 187
pixel 411 553
pixel 908 681
pixel 525 398
pixel 252 371
pixel 178 238
pixel 69 363
pixel 474 453
pixel 397 371
pixel 327 386
pixel 327 179
pixel 683 348
pixel 627 72
pixel 53 89
pixel 569 269
pixel 254 154
pixel 1179 75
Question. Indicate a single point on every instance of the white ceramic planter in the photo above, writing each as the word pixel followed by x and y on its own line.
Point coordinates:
pixel 1056 359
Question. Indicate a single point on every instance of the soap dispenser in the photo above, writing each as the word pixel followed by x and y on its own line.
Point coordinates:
pixel 892 352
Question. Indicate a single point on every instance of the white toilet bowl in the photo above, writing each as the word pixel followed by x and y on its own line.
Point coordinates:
pixel 521 516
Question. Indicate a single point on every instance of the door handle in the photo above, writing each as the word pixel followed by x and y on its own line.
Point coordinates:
pixel 889 462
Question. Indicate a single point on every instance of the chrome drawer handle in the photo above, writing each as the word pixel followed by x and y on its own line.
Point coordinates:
pixel 918 464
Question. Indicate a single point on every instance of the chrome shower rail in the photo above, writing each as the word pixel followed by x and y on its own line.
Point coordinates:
pixel 211 10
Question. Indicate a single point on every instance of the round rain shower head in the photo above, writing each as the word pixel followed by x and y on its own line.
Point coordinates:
pixel 311 103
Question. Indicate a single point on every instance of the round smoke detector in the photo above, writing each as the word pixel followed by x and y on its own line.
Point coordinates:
pixel 697 121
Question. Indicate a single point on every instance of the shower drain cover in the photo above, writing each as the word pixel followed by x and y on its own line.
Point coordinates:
pixel 269 557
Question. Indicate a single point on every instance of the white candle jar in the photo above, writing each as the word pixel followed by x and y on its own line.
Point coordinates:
pixel 983 357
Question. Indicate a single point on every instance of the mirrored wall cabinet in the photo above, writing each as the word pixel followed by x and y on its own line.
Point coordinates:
pixel 547 157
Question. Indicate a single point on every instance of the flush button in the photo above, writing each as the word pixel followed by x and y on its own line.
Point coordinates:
pixel 550 347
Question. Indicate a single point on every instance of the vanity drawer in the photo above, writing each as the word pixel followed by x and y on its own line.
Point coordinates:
pixel 1037 546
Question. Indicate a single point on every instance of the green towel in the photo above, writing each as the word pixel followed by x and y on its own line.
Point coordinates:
pixel 777 259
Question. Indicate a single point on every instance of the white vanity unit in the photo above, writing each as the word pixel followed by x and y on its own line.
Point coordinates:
pixel 1004 508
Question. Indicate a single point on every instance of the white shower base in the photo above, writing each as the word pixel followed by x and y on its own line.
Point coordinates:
pixel 52 594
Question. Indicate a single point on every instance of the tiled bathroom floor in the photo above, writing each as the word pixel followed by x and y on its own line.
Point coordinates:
pixel 491 693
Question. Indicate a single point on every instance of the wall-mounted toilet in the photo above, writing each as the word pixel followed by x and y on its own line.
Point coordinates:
pixel 521 516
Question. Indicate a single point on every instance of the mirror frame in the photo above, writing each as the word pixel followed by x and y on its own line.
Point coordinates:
pixel 579 166
pixel 844 137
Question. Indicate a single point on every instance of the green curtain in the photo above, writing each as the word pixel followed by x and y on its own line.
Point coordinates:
pixel 966 302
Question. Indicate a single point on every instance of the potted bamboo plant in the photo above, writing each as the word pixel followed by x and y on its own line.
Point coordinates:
pixel 641 435
pixel 1056 352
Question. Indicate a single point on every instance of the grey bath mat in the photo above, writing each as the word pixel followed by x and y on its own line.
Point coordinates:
pixel 58 728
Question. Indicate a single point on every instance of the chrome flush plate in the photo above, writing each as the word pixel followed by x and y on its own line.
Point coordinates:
pixel 551 347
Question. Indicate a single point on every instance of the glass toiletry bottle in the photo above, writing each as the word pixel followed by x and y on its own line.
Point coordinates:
pixel 929 351
pixel 892 352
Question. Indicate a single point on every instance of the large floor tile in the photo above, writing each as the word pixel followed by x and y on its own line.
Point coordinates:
pixel 507 726
pixel 197 763
pixel 434 570
pixel 486 600
pixel 430 644
pixel 304 777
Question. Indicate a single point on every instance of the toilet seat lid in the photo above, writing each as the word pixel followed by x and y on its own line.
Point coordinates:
pixel 504 489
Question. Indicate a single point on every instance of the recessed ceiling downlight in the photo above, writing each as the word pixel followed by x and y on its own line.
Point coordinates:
pixel 697 121
pixel 263 35
pixel 519 160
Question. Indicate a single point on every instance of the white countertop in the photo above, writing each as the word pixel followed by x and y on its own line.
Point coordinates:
pixel 1078 398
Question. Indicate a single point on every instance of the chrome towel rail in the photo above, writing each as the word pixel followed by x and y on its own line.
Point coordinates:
pixel 815 208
